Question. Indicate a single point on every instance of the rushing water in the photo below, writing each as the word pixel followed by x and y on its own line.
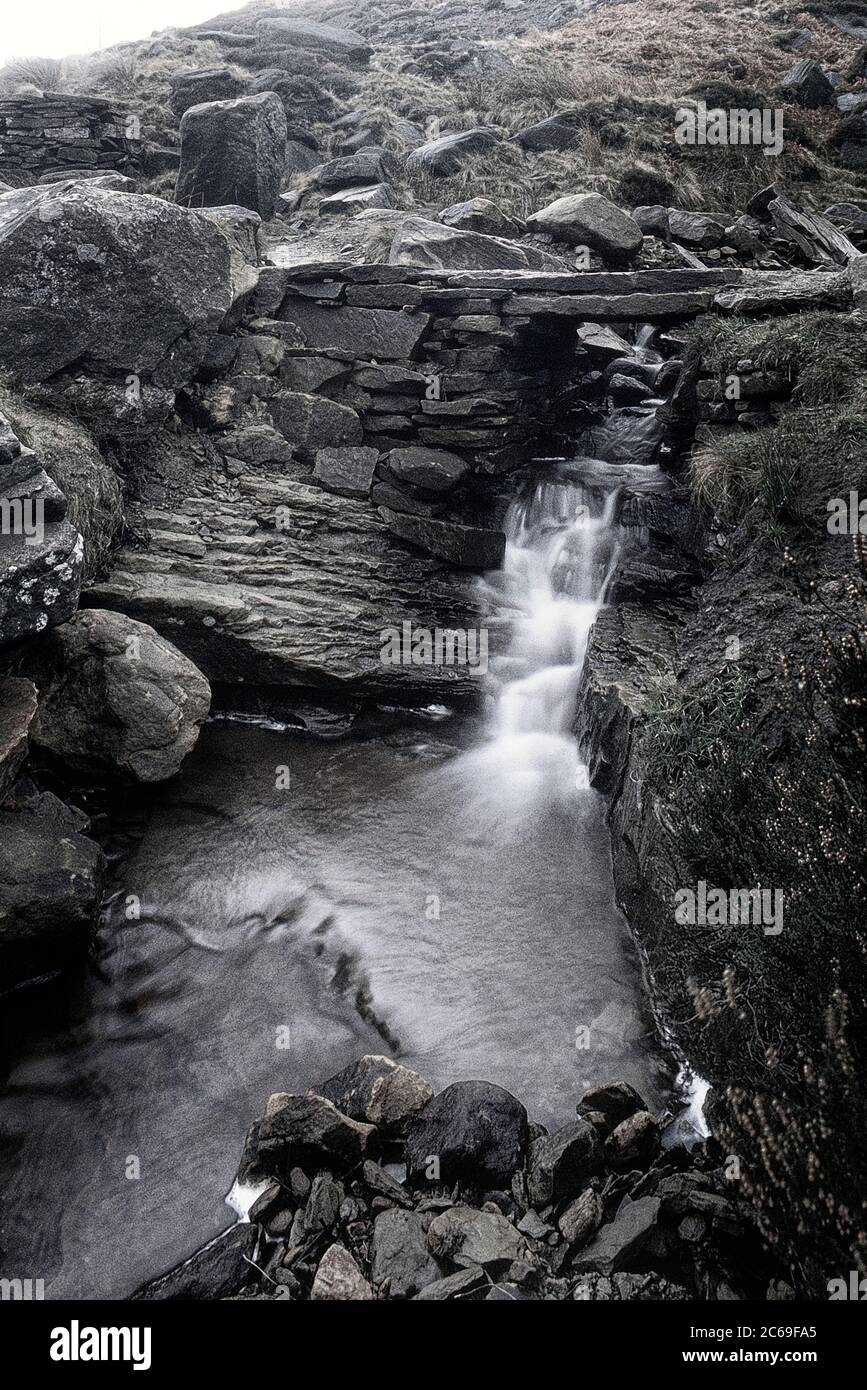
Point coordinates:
pixel 437 893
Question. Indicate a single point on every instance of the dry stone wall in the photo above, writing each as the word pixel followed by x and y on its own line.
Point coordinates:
pixel 61 132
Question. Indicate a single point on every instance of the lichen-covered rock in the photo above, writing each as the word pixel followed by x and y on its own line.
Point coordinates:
pixel 233 152
pixel 119 284
pixel 188 89
pixel 116 697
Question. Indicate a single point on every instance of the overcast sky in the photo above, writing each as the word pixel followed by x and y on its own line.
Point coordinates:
pixel 59 28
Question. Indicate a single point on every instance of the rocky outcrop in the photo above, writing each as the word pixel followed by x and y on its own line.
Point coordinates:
pixel 491 1206
pixel 88 251
pixel 115 697
pixel 233 152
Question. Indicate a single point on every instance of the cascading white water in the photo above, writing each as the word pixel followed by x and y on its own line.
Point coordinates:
pixel 560 555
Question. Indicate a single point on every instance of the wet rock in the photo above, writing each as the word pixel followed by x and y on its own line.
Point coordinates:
pixel 400 1256
pixel 447 154
pixel 380 1092
pixel 338 1278
pixel 116 697
pixel 467 1237
pixel 309 422
pixel 434 470
pixel 233 152
pixel 602 341
pixel 370 164
pixel 219 1270
pixel 17 708
pixel 50 885
pixel 622 1240
pixel 474 1130
pixel 188 89
pixel 616 1101
pixel 348 472
pixel 559 1164
pixel 92 251
pixel 480 215
pixel 807 84
pixel 634 1143
pixel 581 1218
pixel 695 229
pixel 323 1205
pixel 469 547
pixel 309 1132
pixel 625 390
pixel 589 219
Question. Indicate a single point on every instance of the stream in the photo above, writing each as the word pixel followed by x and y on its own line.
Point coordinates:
pixel 440 890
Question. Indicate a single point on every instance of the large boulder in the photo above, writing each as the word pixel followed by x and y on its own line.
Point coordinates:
pixel 188 89
pixel 448 153
pixel 621 1241
pixel 233 152
pixel 589 219
pixel 116 697
pixel 473 1130
pixel 121 284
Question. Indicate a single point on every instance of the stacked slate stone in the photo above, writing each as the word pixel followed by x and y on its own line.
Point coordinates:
pixel 372 1188
pixel 64 132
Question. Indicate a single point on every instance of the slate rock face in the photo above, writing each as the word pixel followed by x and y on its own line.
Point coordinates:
pixel 233 152
pixel 311 422
pixel 364 333
pixel 110 282
pixel 470 547
pixel 117 697
pixel 477 1131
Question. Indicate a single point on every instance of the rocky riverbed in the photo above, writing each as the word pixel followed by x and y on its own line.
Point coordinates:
pixel 370 1187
